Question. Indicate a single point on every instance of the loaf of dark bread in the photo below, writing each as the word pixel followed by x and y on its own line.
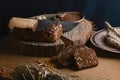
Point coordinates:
pixel 50 33
pixel 81 57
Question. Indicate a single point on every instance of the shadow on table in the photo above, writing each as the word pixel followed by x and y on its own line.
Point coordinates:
pixel 103 53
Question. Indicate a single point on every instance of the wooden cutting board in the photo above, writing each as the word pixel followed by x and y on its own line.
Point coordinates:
pixel 32 48
pixel 79 35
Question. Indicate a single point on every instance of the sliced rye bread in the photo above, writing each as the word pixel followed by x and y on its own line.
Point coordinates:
pixel 81 57
pixel 85 57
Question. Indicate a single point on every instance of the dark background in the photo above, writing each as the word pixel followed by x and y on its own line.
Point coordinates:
pixel 96 10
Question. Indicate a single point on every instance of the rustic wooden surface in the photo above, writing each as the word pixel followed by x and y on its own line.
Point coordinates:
pixel 37 48
pixel 108 68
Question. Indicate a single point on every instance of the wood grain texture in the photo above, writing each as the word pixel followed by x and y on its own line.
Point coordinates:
pixel 32 48
pixel 79 35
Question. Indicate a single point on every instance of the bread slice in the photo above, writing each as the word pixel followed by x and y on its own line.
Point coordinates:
pixel 85 57
pixel 113 36
pixel 65 57
pixel 113 39
pixel 81 57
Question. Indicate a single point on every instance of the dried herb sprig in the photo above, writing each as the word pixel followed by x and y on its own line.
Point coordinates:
pixel 39 72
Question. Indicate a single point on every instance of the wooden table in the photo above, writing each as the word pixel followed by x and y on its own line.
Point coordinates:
pixel 108 68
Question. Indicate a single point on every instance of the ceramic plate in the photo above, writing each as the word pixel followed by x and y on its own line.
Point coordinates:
pixel 98 40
